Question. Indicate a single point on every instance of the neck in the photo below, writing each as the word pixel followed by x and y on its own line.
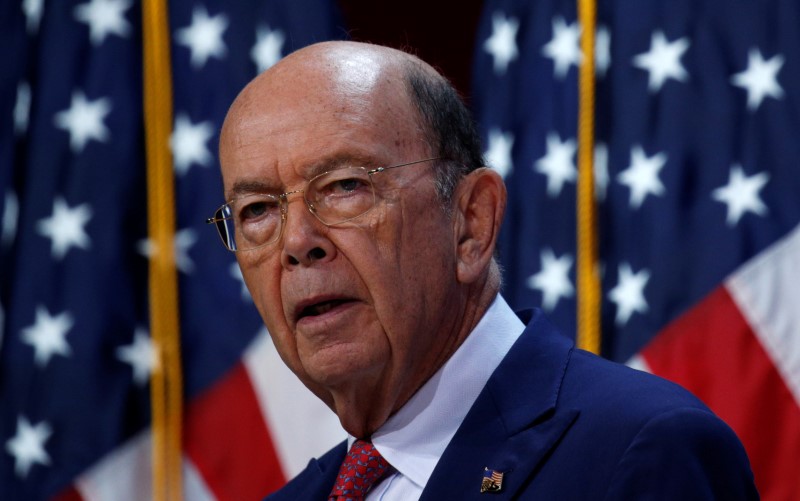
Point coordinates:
pixel 362 411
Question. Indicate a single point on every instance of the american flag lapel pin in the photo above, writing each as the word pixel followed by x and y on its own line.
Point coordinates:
pixel 492 481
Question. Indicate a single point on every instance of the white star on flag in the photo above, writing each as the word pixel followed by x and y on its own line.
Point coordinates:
pixel 663 60
pixel 8 227
pixel 741 194
pixel 642 175
pixel 553 279
pixel 27 445
pixel 66 227
pixel 760 79
pixel 502 44
pixel 104 17
pixel 600 171
pixel 602 51
pixel 203 36
pixel 84 120
pixel 498 155
pixel 236 273
pixel 142 356
pixel 48 335
pixel 628 294
pixel 22 107
pixel 268 47
pixel 188 143
pixel 33 13
pixel 183 241
pixel 557 164
pixel 564 48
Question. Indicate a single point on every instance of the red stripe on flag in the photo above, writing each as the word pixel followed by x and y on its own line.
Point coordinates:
pixel 68 494
pixel 712 351
pixel 228 440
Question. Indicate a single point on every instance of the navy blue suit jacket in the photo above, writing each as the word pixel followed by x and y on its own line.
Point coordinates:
pixel 564 424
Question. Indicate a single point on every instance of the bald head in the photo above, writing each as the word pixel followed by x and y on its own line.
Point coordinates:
pixel 345 74
pixel 348 67
pixel 359 75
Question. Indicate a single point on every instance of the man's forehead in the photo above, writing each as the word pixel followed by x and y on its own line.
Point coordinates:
pixel 354 84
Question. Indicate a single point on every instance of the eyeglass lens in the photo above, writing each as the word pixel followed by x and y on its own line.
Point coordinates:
pixel 333 197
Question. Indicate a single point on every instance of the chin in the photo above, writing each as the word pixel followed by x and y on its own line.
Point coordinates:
pixel 332 376
pixel 340 370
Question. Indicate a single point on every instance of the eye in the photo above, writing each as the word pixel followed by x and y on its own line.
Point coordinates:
pixel 347 185
pixel 252 210
pixel 341 183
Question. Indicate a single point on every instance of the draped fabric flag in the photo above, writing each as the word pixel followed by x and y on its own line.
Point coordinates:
pixel 75 352
pixel 697 156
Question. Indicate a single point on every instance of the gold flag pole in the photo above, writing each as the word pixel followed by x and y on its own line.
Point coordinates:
pixel 166 393
pixel 589 292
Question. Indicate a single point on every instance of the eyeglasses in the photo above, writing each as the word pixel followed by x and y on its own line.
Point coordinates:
pixel 334 197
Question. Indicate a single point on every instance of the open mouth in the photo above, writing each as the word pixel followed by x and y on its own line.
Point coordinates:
pixel 320 308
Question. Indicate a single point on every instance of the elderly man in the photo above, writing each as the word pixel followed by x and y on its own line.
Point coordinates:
pixel 365 226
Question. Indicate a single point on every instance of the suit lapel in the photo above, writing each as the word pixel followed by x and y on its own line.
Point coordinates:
pixel 316 481
pixel 513 423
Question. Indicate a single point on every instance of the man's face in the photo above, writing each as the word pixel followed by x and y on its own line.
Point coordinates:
pixel 361 312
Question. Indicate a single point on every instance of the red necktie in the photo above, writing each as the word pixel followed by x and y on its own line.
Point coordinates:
pixel 361 468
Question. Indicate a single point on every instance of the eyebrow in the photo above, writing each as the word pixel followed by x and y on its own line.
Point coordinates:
pixel 257 186
pixel 336 161
pixel 249 187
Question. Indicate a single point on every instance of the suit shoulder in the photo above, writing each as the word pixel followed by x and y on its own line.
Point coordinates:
pixel 591 380
pixel 684 452
pixel 659 436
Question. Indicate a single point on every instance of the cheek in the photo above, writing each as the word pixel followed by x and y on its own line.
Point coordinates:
pixel 423 243
pixel 264 288
pixel 265 291
pixel 411 260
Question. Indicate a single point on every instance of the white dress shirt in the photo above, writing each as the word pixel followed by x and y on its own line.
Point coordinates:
pixel 414 438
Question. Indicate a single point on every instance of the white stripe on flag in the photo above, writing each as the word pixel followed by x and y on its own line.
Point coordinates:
pixel 639 363
pixel 767 291
pixel 300 425
pixel 125 475
pixel 194 487
pixel 122 475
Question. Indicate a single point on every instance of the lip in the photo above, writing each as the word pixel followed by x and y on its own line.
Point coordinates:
pixel 342 303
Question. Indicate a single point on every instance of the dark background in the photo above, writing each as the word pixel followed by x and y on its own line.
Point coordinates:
pixel 442 33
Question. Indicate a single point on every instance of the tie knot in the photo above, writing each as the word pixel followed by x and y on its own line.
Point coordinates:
pixel 361 468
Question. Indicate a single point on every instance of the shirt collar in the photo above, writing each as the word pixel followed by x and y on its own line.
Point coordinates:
pixel 413 439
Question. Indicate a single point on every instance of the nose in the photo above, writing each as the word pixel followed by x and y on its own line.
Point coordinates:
pixel 304 239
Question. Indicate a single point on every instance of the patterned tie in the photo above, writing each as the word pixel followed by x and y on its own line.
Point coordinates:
pixel 361 468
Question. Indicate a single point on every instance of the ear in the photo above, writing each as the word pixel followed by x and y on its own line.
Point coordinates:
pixel 480 204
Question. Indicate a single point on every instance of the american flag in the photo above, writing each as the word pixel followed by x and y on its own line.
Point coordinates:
pixel 697 156
pixel 492 481
pixel 75 351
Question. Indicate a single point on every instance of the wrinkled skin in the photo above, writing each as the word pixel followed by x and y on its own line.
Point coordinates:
pixel 408 281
